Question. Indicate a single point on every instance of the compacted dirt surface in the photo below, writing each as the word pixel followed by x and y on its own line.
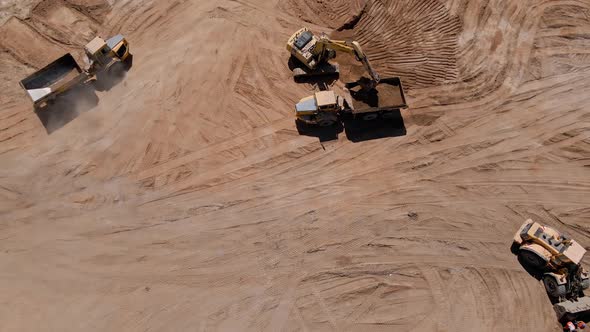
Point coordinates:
pixel 186 200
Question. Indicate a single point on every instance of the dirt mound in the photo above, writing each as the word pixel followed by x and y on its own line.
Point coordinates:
pixel 331 14
pixel 416 40
pixel 17 8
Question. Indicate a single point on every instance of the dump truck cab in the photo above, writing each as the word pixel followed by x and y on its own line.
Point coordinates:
pixel 103 54
pixel 320 109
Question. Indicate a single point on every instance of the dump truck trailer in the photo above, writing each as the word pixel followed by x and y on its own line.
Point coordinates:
pixel 48 83
pixel 325 108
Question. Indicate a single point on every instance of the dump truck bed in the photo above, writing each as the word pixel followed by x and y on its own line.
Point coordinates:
pixel 388 95
pixel 53 79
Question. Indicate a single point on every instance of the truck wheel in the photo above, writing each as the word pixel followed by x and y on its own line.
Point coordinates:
pixel 370 116
pixel 553 288
pixel 531 259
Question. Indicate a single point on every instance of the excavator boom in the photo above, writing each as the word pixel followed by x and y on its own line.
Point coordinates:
pixel 350 47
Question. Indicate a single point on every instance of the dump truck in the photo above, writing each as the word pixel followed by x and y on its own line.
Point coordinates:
pixel 556 259
pixel 326 108
pixel 105 60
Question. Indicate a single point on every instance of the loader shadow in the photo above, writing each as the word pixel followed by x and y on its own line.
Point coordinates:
pixel 324 134
pixel 358 130
pixel 67 107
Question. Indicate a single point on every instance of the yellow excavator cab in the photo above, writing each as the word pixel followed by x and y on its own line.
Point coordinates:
pixel 301 45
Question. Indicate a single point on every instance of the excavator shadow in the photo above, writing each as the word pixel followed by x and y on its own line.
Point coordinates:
pixel 324 134
pixel 67 107
pixel 358 130
pixel 324 76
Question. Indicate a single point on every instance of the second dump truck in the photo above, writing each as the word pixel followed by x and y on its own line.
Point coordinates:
pixel 105 58
pixel 325 108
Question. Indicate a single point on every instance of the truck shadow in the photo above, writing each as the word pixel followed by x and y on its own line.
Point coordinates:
pixel 358 130
pixel 324 134
pixel 109 79
pixel 67 107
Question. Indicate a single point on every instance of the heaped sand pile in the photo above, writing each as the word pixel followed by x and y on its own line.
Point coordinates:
pixel 186 199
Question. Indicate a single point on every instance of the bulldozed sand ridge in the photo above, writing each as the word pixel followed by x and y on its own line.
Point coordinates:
pixel 187 200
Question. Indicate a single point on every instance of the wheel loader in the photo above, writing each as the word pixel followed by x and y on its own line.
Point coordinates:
pixel 556 258
pixel 105 60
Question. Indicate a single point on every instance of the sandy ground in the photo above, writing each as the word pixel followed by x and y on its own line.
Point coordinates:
pixel 187 200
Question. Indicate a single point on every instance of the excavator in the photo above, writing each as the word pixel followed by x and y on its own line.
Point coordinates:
pixel 556 259
pixel 314 52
